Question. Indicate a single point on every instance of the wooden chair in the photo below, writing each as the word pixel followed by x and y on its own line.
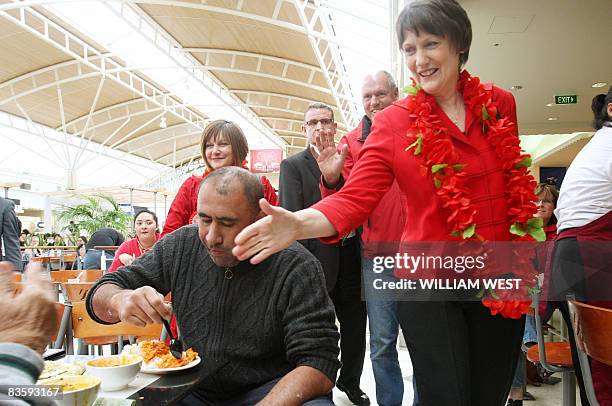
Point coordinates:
pixel 554 357
pixel 76 292
pixel 87 275
pixel 84 327
pixel 592 325
pixel 63 336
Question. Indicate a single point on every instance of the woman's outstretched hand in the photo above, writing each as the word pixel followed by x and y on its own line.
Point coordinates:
pixel 268 235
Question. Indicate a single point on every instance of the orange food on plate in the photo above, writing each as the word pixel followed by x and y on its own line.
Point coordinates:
pixel 158 349
pixel 168 360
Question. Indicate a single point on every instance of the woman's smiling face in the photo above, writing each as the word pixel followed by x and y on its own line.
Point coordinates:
pixel 433 62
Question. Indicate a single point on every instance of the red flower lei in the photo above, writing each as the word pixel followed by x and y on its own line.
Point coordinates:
pixel 432 143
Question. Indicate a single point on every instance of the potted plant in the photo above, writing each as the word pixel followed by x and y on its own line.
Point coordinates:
pixel 96 212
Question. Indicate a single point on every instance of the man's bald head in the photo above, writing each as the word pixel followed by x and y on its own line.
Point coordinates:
pixel 228 201
pixel 233 179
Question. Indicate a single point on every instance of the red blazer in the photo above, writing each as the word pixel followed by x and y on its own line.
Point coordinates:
pixel 183 210
pixel 386 223
pixel 384 159
pixel 127 247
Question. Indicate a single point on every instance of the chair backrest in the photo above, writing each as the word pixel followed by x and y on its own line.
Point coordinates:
pixel 87 275
pixel 85 327
pixel 76 292
pixel 592 327
pixel 59 309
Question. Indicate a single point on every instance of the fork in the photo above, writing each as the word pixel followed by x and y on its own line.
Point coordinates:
pixel 176 345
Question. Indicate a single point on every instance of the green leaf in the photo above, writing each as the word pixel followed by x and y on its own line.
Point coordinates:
pixel 458 167
pixel 485 113
pixel 455 233
pixel 468 232
pixel 524 162
pixel 535 222
pixel 436 168
pixel 437 183
pixel 493 295
pixel 538 234
pixel 417 145
pixel 518 229
pixel 480 294
pixel 412 89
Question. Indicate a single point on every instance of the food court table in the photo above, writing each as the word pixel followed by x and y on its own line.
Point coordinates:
pixel 161 389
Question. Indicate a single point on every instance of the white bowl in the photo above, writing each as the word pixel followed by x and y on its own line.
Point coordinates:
pixel 85 396
pixel 116 371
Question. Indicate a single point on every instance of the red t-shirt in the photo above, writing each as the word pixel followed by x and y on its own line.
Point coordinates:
pixel 128 247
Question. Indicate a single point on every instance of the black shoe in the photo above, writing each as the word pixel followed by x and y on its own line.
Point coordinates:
pixel 355 394
pixel 528 396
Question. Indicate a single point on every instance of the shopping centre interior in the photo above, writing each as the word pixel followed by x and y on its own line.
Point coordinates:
pixel 110 98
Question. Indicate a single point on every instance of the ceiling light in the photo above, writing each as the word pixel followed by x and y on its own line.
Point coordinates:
pixel 549 105
pixel 516 87
pixel 162 122
pixel 599 84
pixel 553 118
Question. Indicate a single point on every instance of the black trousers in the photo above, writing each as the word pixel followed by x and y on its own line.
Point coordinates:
pixel 567 278
pixel 461 355
pixel 351 313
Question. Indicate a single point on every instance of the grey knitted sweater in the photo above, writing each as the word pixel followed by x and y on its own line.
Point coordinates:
pixel 266 320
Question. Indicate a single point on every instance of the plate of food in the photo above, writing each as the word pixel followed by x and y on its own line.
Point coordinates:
pixel 54 369
pixel 157 358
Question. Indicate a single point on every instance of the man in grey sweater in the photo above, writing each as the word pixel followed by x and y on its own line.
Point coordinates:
pixel 273 322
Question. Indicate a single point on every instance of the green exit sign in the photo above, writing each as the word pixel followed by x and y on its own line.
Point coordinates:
pixel 569 99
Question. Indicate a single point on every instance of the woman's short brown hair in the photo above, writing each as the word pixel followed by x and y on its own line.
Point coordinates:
pixel 444 18
pixel 231 132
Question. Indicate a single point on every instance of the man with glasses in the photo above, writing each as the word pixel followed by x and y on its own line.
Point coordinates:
pixel 299 189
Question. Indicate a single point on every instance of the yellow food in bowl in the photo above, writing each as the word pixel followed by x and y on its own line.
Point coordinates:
pixel 115 361
pixel 72 383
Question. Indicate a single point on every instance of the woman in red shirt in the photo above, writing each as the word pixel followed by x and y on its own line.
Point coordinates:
pixel 223 144
pixel 452 146
pixel 147 234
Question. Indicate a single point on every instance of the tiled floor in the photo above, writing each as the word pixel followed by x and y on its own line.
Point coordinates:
pixel 545 395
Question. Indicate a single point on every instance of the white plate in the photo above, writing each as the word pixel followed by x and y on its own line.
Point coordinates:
pixel 163 371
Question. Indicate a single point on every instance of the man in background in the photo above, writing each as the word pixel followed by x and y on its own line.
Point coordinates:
pixel 299 189
pixel 9 234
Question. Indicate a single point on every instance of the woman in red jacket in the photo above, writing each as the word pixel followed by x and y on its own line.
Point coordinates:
pixel 147 234
pixel 452 146
pixel 223 144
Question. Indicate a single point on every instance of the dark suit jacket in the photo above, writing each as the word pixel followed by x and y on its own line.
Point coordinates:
pixel 9 233
pixel 299 189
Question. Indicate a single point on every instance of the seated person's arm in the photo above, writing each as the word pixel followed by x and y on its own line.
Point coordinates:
pixel 135 293
pixel 311 335
pixel 140 307
pixel 298 386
